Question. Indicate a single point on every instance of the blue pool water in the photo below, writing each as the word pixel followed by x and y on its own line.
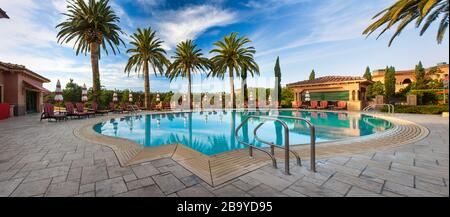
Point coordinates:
pixel 212 132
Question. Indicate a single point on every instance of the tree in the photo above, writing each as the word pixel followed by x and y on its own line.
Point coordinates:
pixel 92 25
pixel 404 12
pixel 420 77
pixel 188 59
pixel 277 70
pixel 72 92
pixel 233 55
pixel 375 89
pixel 146 51
pixel 312 75
pixel 389 82
pixel 367 75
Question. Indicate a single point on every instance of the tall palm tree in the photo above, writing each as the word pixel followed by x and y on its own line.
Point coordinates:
pixel 93 26
pixel 188 59
pixel 405 11
pixel 146 51
pixel 233 55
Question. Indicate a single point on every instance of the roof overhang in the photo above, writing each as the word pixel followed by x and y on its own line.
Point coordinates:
pixel 36 87
pixel 3 14
pixel 362 81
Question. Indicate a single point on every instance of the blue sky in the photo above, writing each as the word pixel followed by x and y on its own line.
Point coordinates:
pixel 322 35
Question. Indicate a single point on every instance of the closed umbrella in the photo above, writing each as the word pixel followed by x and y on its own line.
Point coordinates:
pixel 58 93
pixel 84 97
pixel 130 97
pixel 115 99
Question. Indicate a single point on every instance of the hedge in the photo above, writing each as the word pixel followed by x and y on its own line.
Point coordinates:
pixel 428 96
pixel 420 109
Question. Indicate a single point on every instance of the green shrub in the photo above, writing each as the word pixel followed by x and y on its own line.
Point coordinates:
pixel 420 109
pixel 427 97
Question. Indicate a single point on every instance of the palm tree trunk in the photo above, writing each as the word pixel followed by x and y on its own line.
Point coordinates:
pixel 233 97
pixel 190 90
pixel 95 54
pixel 146 87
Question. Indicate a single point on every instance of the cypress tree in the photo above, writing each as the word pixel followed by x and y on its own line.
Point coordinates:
pixel 420 76
pixel 367 75
pixel 277 70
pixel 312 76
pixel 389 81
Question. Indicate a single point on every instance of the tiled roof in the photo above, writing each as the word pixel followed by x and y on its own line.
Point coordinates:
pixel 328 79
pixel 16 67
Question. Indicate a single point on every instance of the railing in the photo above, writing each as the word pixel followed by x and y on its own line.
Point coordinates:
pixel 286 149
pixel 391 108
pixel 251 146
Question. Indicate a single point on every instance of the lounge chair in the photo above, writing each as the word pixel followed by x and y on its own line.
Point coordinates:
pixel 166 105
pixel 98 111
pixel 313 105
pixel 296 104
pixel 49 113
pixel 80 109
pixel 341 105
pixel 72 113
pixel 323 105
pixel 112 108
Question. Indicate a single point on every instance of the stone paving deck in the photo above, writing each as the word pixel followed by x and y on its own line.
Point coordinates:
pixel 47 159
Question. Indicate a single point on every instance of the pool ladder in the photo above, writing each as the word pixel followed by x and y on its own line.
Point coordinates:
pixel 391 108
pixel 272 145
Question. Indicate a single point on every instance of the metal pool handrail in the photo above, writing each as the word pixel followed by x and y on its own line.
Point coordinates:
pixel 391 108
pixel 312 136
pixel 286 140
pixel 251 146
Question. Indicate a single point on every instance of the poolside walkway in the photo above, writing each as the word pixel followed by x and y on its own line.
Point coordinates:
pixel 46 159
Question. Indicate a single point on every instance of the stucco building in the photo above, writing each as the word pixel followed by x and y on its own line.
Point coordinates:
pixel 333 88
pixel 406 77
pixel 22 88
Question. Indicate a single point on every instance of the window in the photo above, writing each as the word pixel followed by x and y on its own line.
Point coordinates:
pixel 353 95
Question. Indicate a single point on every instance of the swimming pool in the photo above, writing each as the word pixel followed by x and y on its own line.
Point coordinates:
pixel 212 132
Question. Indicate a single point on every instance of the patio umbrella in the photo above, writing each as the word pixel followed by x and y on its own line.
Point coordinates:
pixel 58 93
pixel 115 99
pixel 307 96
pixel 130 97
pixel 84 97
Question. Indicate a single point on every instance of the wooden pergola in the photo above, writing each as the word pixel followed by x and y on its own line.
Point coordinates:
pixel 3 14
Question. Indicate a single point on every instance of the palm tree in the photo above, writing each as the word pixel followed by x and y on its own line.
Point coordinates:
pixel 188 59
pixel 244 75
pixel 93 26
pixel 405 11
pixel 232 55
pixel 147 50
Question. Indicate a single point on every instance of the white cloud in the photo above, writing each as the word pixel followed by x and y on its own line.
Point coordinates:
pixel 188 23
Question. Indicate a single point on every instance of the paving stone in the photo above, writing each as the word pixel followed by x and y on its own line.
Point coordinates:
pixel 177 170
pixel 116 171
pixel 59 179
pixel 129 177
pixel 8 186
pixel 145 170
pixel 270 180
pixel 190 180
pixel 87 194
pixel 291 193
pixel 244 185
pixel 359 192
pixel 195 191
pixel 31 188
pixel 87 188
pixel 397 177
pixel 407 191
pixel 94 174
pixel 63 189
pixel 230 191
pixel 313 190
pixel 362 183
pixel 73 156
pixel 85 162
pixel 47 173
pixel 163 162
pixel 265 191
pixel 74 174
pixel 110 187
pixel 168 183
pixel 149 191
pixel 337 186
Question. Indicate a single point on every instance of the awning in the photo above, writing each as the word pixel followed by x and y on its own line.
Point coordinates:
pixel 36 87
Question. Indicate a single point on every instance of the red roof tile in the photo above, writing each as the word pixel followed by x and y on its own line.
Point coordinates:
pixel 328 79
